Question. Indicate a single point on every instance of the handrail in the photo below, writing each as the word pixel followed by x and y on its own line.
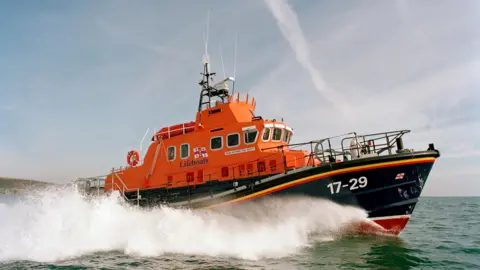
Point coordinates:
pixel 97 180
pixel 124 187
pixel 362 142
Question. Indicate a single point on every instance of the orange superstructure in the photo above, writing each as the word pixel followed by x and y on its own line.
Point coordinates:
pixel 226 141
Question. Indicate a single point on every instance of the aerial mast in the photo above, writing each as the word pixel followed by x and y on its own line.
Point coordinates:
pixel 208 91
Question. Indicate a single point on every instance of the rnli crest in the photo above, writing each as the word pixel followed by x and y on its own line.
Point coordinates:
pixel 200 152
pixel 200 156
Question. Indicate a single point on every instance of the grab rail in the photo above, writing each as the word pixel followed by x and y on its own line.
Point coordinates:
pixel 365 145
pixel 124 188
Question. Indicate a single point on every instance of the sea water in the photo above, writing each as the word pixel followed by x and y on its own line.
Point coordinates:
pixel 53 228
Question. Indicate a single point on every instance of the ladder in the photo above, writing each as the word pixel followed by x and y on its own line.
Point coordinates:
pixel 122 188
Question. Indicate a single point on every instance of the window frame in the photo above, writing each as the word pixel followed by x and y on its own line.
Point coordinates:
pixel 289 129
pixel 245 137
pixel 285 134
pixel 221 143
pixel 188 150
pixel 174 153
pixel 269 134
pixel 281 134
pixel 238 144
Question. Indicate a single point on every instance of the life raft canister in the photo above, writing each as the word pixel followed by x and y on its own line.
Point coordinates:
pixel 133 157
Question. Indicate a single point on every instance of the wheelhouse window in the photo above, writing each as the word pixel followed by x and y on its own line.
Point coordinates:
pixel 216 143
pixel 277 134
pixel 250 136
pixel 171 153
pixel 233 140
pixel 286 136
pixel 266 134
pixel 184 150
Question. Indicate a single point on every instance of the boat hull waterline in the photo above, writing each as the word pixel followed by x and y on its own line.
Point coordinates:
pixel 387 188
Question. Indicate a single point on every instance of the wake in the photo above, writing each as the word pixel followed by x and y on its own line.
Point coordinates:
pixel 58 224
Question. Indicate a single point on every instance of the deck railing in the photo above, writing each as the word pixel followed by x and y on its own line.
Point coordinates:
pixel 352 146
pixel 99 183
pixel 116 181
pixel 90 184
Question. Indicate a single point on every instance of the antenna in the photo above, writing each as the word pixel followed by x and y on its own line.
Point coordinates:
pixel 205 39
pixel 221 58
pixel 235 63
pixel 219 90
pixel 141 143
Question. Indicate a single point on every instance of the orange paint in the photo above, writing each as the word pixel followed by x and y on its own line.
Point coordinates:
pixel 202 163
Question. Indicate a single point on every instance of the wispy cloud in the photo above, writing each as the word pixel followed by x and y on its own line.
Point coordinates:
pixel 292 31
pixel 399 69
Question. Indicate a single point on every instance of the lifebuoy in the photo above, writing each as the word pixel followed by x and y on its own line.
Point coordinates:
pixel 133 157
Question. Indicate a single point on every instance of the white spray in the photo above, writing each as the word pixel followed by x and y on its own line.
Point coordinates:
pixel 61 224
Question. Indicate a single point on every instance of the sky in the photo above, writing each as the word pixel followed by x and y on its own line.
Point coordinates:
pixel 81 81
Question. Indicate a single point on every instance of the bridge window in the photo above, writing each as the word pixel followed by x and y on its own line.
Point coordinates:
pixel 184 150
pixel 266 134
pixel 250 135
pixel 171 153
pixel 233 140
pixel 277 134
pixel 286 136
pixel 216 143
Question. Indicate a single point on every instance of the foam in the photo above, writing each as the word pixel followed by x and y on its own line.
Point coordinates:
pixel 58 224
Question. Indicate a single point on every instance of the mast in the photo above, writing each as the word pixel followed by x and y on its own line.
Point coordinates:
pixel 208 92
pixel 205 84
pixel 220 89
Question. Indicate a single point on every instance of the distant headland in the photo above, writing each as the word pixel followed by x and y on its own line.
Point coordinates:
pixel 10 185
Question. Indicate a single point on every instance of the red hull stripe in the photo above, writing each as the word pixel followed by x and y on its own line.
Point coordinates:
pixel 392 225
pixel 324 175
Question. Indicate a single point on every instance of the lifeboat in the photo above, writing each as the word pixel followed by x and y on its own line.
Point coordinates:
pixel 229 156
pixel 175 130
